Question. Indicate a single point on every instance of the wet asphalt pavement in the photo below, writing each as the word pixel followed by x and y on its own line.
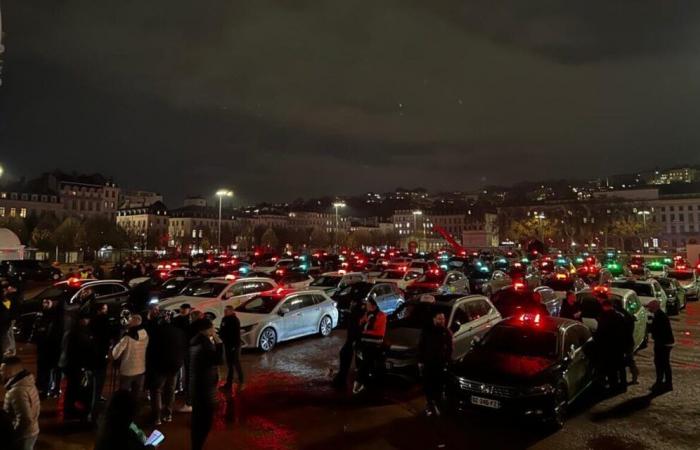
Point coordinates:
pixel 289 404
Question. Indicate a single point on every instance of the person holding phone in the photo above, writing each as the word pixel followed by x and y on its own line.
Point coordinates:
pixel 118 430
pixel 206 354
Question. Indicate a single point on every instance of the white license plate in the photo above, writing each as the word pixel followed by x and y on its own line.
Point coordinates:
pixel 487 402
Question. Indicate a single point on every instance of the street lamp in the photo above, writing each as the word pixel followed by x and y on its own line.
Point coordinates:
pixel 415 221
pixel 1 170
pixel 539 218
pixel 644 213
pixel 221 193
pixel 337 205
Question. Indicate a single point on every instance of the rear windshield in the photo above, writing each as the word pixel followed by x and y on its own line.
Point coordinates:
pixel 420 314
pixel 326 281
pixel 392 275
pixel 209 290
pixel 642 290
pixel 522 341
pixel 681 275
pixel 262 304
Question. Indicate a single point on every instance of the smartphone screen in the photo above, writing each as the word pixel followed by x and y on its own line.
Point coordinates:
pixel 155 438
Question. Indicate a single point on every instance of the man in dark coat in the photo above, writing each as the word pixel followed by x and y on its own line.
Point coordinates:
pixel 609 339
pixel 103 332
pixel 230 333
pixel 434 354
pixel 79 366
pixel 628 345
pixel 353 336
pixel 206 353
pixel 569 308
pixel 662 333
pixel 47 334
pixel 165 355
pixel 183 323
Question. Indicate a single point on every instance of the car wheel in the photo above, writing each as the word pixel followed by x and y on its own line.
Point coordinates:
pixel 326 326
pixel 561 399
pixel 268 339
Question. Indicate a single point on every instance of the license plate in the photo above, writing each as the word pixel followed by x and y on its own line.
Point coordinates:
pixel 487 402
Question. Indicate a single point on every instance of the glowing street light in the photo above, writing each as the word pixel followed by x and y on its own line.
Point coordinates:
pixel 221 193
pixel 1 170
pixel 337 206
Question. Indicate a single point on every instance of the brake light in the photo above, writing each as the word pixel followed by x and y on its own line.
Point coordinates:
pixel 561 276
pixel 519 286
pixel 279 271
pixel 681 267
pixel 230 277
pixel 403 268
pixel 163 274
pixel 517 265
pixel 601 289
pixel 168 266
pixel 74 281
pixel 635 266
pixel 176 263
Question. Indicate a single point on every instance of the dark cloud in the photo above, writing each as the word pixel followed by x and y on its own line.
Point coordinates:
pixel 281 98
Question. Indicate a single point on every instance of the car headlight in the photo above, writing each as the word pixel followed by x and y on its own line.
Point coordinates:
pixel 543 389
pixel 247 329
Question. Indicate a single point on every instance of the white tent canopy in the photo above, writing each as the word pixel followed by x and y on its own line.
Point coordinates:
pixel 10 245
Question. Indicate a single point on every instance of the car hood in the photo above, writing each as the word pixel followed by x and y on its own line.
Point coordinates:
pixel 503 368
pixel 403 338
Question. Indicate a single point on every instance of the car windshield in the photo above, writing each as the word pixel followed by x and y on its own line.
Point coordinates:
pixel 58 292
pixel 262 304
pixel 522 341
pixel 357 290
pixel 208 289
pixel 420 314
pixel 642 290
pixel 665 283
pixel 432 277
pixel 326 281
pixel 682 276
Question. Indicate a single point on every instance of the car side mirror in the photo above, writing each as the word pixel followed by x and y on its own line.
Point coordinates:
pixel 455 326
pixel 284 311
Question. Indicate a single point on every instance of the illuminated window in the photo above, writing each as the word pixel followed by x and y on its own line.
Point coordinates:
pixel 23 212
pixel 194 233
pixel 2 211
pixel 13 212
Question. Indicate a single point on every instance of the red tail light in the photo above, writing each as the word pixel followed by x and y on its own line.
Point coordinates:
pixel 519 286
pixel 562 276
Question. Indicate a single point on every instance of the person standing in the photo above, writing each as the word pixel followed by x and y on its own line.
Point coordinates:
pixel 610 344
pixel 569 308
pixel 10 299
pixel 183 323
pixel 206 352
pixel 164 358
pixel 21 402
pixel 230 333
pixel 131 353
pixel 103 333
pixel 373 331
pixel 117 430
pixel 434 354
pixel 79 364
pixel 628 345
pixel 47 334
pixel 662 333
pixel 347 352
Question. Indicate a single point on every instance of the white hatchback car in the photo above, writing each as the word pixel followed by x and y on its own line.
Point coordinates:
pixel 281 315
pixel 212 295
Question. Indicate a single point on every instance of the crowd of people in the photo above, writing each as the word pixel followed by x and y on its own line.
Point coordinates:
pixel 154 356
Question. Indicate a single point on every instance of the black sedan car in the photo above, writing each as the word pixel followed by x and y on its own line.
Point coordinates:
pixel 530 366
pixel 675 293
pixel 29 270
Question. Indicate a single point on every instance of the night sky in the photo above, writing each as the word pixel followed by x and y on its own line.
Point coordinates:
pixel 287 98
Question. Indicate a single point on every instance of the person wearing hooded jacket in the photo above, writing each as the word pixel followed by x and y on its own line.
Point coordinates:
pixel 434 354
pixel 131 353
pixel 21 402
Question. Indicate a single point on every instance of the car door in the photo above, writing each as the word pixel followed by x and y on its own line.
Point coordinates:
pixel 460 327
pixel 311 313
pixel 476 312
pixel 578 372
pixel 660 294
pixel 634 307
pixel 292 323
pixel 113 294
